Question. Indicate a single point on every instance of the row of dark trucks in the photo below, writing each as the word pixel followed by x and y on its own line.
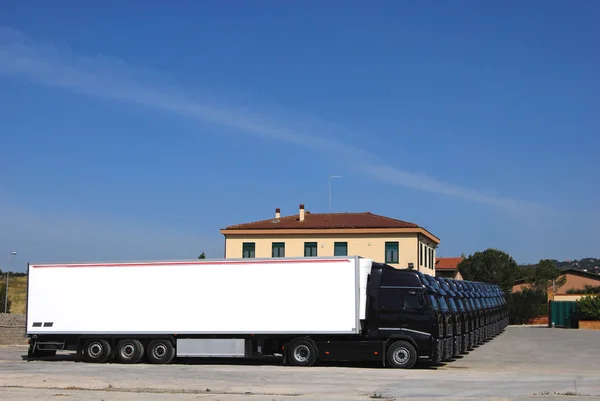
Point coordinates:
pixel 348 309
pixel 472 312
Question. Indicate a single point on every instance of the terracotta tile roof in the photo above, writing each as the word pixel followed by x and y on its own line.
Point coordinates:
pixel 326 220
pixel 447 263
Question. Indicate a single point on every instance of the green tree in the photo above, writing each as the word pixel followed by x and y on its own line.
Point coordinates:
pixel 202 256
pixel 545 276
pixel 588 307
pixel 490 266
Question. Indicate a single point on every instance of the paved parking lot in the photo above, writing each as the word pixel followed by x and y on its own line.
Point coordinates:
pixel 523 363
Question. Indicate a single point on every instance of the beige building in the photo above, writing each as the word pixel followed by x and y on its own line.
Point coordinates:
pixel 398 243
pixel 448 268
pixel 573 289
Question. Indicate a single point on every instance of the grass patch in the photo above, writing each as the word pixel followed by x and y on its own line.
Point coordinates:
pixel 17 293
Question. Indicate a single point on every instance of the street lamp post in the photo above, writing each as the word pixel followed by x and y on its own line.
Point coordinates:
pixel 6 289
pixel 330 177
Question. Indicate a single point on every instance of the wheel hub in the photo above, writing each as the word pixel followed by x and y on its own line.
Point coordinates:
pixel 401 355
pixel 95 350
pixel 302 353
pixel 160 351
pixel 128 350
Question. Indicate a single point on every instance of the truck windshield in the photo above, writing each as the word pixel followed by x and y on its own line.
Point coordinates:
pixel 434 303
pixel 452 304
pixel 461 305
pixel 471 304
pixel 443 304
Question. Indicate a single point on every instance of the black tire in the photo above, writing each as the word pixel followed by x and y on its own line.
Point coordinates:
pixel 160 351
pixel 302 352
pixel 129 351
pixel 401 355
pixel 96 351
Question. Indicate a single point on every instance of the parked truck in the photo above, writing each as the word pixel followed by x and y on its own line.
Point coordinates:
pixel 305 310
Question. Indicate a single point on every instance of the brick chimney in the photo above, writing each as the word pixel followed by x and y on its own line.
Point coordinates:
pixel 277 213
pixel 301 212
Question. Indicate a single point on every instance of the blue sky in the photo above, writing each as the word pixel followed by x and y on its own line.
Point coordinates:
pixel 133 132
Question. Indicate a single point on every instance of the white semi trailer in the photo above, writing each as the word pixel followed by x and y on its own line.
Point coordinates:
pixel 306 309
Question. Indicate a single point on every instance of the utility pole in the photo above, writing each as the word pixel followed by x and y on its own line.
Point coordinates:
pixel 6 289
pixel 330 177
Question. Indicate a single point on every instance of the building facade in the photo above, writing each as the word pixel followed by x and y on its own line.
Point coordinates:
pixel 398 243
pixel 573 289
pixel 448 268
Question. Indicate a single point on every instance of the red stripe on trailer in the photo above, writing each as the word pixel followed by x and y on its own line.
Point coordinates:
pixel 188 263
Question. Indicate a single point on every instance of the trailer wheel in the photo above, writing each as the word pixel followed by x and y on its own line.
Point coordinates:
pixel 160 351
pixel 302 352
pixel 402 355
pixel 129 351
pixel 96 351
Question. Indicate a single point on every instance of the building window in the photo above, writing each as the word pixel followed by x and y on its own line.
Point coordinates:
pixel 431 258
pixel 391 252
pixel 340 249
pixel 278 250
pixel 310 249
pixel 248 250
pixel 420 254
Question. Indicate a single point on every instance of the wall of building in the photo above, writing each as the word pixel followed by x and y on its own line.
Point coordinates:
pixel 564 298
pixel 12 329
pixel 426 254
pixel 573 282
pixel 577 282
pixel 370 246
pixel 453 274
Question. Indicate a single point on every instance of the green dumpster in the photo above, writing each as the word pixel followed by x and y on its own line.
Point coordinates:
pixel 562 314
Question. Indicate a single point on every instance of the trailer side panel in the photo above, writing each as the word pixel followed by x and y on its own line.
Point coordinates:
pixel 306 295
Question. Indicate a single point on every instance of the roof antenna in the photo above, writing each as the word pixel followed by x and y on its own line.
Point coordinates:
pixel 330 177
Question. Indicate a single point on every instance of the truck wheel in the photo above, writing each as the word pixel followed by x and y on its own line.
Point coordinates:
pixel 302 353
pixel 129 351
pixel 402 355
pixel 160 351
pixel 96 351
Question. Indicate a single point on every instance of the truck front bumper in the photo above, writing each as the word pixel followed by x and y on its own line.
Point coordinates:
pixel 437 350
pixel 457 345
pixel 448 347
pixel 465 342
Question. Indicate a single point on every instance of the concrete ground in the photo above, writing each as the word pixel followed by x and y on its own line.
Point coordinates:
pixel 523 363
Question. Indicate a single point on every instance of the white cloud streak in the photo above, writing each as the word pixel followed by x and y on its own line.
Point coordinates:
pixel 49 65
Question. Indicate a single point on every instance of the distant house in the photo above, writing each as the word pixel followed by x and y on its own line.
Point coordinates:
pixel 398 243
pixel 576 282
pixel 448 267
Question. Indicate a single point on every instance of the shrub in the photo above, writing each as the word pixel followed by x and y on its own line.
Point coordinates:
pixel 588 289
pixel 588 308
pixel 526 304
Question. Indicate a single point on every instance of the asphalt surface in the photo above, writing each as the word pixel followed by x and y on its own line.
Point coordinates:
pixel 523 363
